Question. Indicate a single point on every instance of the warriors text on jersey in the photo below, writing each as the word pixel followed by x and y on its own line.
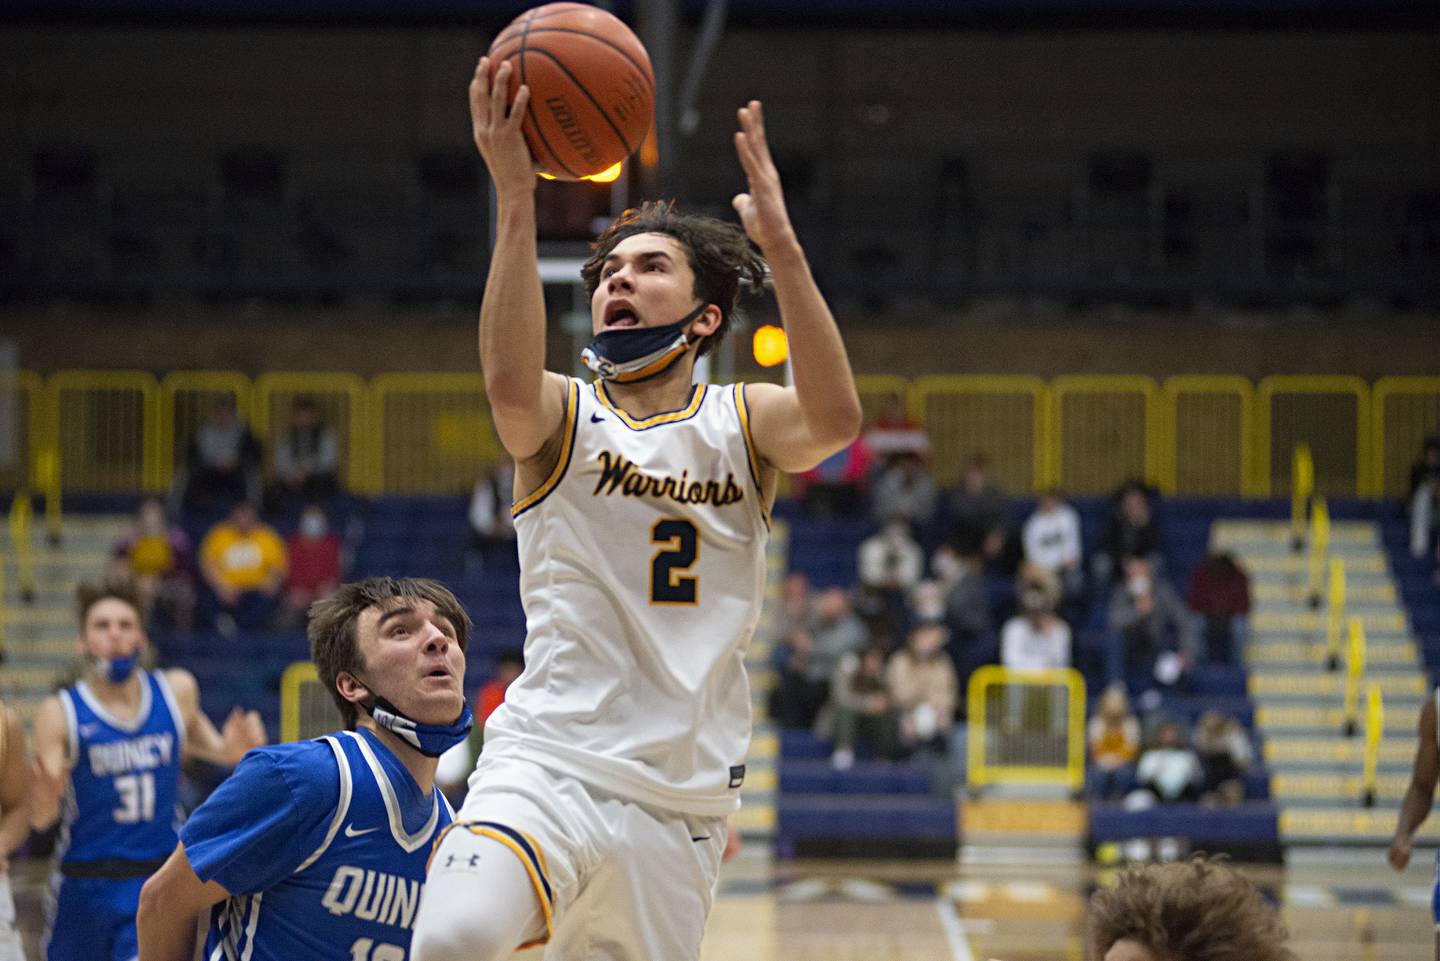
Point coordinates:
pixel 642 563
pixel 322 846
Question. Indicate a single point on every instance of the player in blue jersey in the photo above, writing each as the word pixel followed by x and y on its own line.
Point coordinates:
pixel 108 752
pixel 1419 797
pixel 317 850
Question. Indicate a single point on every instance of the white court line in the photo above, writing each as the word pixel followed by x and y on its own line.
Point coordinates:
pixel 954 933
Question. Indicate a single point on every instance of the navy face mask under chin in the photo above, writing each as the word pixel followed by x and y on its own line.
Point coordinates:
pixel 117 669
pixel 432 740
pixel 628 355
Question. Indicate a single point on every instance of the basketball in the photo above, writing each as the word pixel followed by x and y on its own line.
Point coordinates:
pixel 592 91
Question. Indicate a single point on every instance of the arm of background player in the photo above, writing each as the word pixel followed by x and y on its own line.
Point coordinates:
pixel 527 405
pixel 14 787
pixel 794 428
pixel 52 764
pixel 243 730
pixel 1421 793
pixel 170 906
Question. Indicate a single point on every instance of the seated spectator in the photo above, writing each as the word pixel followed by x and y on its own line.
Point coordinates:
pixel 904 491
pixel 1113 734
pixel 896 432
pixel 836 631
pixel 222 462
pixel 314 567
pixel 1219 593
pixel 492 528
pixel 890 563
pixel 154 559
pixel 796 607
pixel 243 562
pixel 798 695
pixel 838 485
pixel 978 510
pixel 306 462
pixel 1036 638
pixel 1051 538
pixel 1425 505
pixel 1168 771
pixel 923 690
pixel 860 706
pixel 1130 531
pixel 967 609
pixel 1151 636
pixel 1225 755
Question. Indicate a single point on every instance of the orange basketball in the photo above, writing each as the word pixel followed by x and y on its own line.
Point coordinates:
pixel 592 92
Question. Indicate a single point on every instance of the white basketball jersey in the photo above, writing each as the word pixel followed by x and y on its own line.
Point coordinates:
pixel 642 562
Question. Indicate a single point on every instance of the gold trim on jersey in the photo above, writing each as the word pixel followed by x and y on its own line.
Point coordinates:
pixel 567 448
pixel 697 397
pixel 532 859
pixel 654 367
pixel 743 409
pixel 675 575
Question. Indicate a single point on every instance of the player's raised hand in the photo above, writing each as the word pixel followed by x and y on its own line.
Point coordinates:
pixel 1400 850
pixel 762 208
pixel 496 128
pixel 242 731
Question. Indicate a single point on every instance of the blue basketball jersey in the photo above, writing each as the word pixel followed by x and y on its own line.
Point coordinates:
pixel 122 801
pixel 323 847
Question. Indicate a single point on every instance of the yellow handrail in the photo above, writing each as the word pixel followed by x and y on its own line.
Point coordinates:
pixel 1302 486
pixel 21 513
pixel 1374 730
pixel 981 771
pixel 1319 549
pixel 296 675
pixel 1354 674
pixel 1335 614
pixel 47 476
pixel 2 605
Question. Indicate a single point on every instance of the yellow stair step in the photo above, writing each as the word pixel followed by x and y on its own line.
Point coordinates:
pixel 1230 532
pixel 1261 621
pixel 1297 564
pixel 1332 684
pixel 1339 824
pixel 1271 592
pixel 1027 816
pixel 1279 750
pixel 1390 787
pixel 1398 720
pixel 1379 652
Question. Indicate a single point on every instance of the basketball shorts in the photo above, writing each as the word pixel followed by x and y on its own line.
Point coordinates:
pixel 93 919
pixel 615 879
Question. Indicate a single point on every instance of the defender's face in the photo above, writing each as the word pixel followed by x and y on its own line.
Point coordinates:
pixel 112 629
pixel 646 281
pixel 412 658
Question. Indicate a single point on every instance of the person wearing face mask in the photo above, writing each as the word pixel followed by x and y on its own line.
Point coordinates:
pixel 317 849
pixel 1152 637
pixel 314 569
pixel 108 752
pixel 155 558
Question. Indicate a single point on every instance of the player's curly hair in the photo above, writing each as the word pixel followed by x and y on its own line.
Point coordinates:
pixel 334 646
pixel 88 595
pixel 722 258
pixel 1196 911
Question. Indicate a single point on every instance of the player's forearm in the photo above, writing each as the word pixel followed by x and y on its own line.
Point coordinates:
pixel 824 383
pixel 512 314
pixel 1414 810
pixel 165 934
pixel 14 826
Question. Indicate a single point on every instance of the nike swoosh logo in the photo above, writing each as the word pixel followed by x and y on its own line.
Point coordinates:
pixel 350 831
pixel 703 837
pixel 596 419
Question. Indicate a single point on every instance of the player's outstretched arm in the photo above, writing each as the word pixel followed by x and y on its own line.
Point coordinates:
pixel 794 427
pixel 526 401
pixel 50 775
pixel 14 786
pixel 170 904
pixel 1421 793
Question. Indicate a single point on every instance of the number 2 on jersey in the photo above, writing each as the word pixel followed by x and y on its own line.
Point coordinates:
pixel 668 585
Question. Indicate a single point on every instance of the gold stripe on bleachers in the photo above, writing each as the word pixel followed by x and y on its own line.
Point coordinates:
pixel 1331 685
pixel 1272 592
pixel 1398 720
pixel 1341 824
pixel 22 616
pixel 1279 750
pixel 1389 787
pixel 1025 816
pixel 1278 532
pixel 1288 653
pixel 1304 621
pixel 1300 565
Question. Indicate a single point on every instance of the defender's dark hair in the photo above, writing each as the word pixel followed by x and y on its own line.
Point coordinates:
pixel 719 254
pixel 334 646
pixel 88 595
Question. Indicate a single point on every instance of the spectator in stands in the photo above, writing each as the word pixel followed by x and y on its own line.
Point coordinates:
pixel 860 706
pixel 923 690
pixel 314 564
pixel 1051 538
pixel 492 529
pixel 1225 755
pixel 798 695
pixel 838 485
pixel 797 607
pixel 836 630
pixel 904 491
pixel 1113 734
pixel 1219 593
pixel 154 559
pixel 222 461
pixel 244 563
pixel 1036 638
pixel 1130 531
pixel 306 461
pixel 977 509
pixel 890 564
pixel 967 610
pixel 1151 635
pixel 1425 505
pixel 1168 771
pixel 1183 911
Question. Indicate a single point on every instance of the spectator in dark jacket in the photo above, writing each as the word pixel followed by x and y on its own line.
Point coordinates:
pixel 1219 592
pixel 1131 531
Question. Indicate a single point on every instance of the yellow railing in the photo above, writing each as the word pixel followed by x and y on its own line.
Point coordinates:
pixel 21 514
pixel 1026 727
pixel 416 433
pixel 1302 487
pixel 1319 550
pixel 1335 613
pixel 306 708
pixel 1374 731
pixel 1354 674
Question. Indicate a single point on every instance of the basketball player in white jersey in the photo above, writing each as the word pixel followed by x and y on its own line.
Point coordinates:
pixel 596 815
pixel 1419 798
